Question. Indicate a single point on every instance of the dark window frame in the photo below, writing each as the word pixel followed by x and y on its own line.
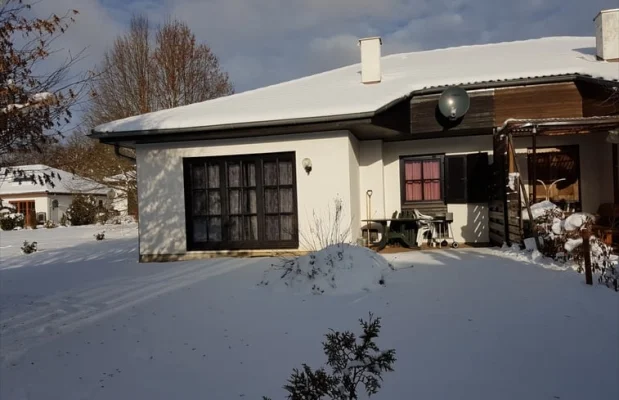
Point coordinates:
pixel 530 184
pixel 403 160
pixel 223 162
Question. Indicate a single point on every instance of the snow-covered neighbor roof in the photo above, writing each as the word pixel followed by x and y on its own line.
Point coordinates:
pixel 129 175
pixel 61 182
pixel 340 91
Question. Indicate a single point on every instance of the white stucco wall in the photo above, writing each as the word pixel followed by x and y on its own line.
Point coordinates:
pixel 354 176
pixel 160 181
pixel 40 201
pixel 470 220
pixel 371 171
pixel 64 202
pixel 343 168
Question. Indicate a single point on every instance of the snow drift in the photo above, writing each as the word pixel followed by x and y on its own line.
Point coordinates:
pixel 337 269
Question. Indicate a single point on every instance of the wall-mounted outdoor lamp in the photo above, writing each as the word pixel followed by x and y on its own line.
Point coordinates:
pixel 307 165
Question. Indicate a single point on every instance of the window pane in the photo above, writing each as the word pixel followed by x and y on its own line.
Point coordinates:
pixel 199 230
pixel 250 228
pixel 234 175
pixel 412 170
pixel 271 201
pixel 285 173
pixel 214 202
pixel 413 191
pixel 287 227
pixel 234 228
pixel 272 227
pixel 285 200
pixel 250 204
pixel 213 176
pixel 432 190
pixel 270 173
pixel 431 169
pixel 198 177
pixel 234 202
pixel 199 202
pixel 214 229
pixel 249 177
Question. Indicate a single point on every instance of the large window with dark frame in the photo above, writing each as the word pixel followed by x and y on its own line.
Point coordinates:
pixel 241 202
pixel 556 175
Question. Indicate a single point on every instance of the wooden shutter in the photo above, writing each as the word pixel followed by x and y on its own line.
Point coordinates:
pixel 466 178
pixel 455 179
pixel 477 171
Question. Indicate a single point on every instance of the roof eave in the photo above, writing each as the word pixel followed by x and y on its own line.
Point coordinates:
pixel 225 127
pixel 115 136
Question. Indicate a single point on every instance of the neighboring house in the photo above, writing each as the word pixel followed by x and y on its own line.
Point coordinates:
pixel 249 173
pixel 123 186
pixel 46 200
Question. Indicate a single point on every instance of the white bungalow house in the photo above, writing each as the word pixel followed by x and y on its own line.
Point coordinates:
pixel 250 173
pixel 28 192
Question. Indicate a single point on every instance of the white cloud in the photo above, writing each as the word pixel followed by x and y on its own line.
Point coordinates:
pixel 268 41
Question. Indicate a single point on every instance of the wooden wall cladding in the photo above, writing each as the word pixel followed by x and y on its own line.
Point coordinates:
pixel 425 117
pixel 598 100
pixel 540 101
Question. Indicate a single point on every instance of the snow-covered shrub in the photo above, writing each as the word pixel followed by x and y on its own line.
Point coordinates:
pixel 28 248
pixel 325 231
pixel 84 210
pixel 102 216
pixel 603 260
pixel 99 235
pixel 337 269
pixel 10 221
pixel 121 219
pixel 561 240
pixel 64 221
pixel 352 362
pixel 49 224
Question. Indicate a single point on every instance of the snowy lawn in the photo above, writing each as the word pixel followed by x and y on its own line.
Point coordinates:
pixel 81 319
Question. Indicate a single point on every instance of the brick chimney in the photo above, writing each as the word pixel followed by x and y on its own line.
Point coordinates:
pixel 607 35
pixel 370 59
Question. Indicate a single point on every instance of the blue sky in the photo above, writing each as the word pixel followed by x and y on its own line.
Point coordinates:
pixel 269 41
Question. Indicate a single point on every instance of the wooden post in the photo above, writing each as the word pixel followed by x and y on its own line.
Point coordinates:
pixel 526 199
pixel 615 174
pixel 586 248
pixel 533 171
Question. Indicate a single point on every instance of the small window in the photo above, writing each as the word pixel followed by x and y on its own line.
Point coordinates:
pixel 422 179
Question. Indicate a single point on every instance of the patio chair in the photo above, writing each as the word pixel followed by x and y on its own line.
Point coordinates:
pixel 424 226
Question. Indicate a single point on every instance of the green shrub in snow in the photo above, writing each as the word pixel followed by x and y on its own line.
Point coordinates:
pixel 352 362
pixel 84 210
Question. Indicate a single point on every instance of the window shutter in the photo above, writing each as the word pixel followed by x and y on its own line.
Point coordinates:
pixel 455 179
pixel 477 171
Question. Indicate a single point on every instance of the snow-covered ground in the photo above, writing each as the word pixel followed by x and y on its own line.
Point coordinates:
pixel 81 319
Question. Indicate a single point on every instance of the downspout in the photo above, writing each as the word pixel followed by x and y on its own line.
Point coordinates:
pixel 121 155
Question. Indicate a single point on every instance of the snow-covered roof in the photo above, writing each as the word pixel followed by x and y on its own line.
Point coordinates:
pixel 129 175
pixel 340 91
pixel 61 181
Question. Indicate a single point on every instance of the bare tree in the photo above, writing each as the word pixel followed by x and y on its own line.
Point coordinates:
pixel 140 74
pixel 34 106
pixel 184 71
